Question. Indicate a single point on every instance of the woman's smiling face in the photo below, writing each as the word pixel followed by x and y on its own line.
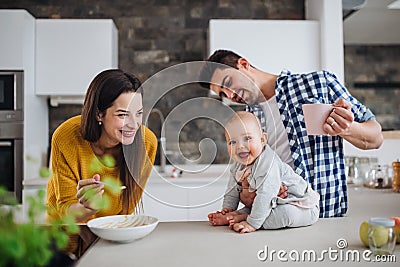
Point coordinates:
pixel 122 120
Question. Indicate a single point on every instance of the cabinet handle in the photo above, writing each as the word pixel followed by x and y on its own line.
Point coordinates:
pixel 5 143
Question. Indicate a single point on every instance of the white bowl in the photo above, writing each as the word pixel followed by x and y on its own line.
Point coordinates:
pixel 101 227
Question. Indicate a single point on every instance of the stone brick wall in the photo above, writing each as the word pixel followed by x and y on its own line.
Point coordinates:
pixel 156 34
pixel 379 65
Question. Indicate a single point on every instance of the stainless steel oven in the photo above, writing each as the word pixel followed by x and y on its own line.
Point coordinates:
pixel 11 157
pixel 11 131
pixel 11 96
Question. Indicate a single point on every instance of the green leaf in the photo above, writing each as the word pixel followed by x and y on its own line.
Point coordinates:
pixel 6 197
pixel 95 166
pixel 30 244
pixel 97 202
pixel 113 185
pixel 61 240
pixel 31 159
pixel 102 203
pixel 41 194
pixel 108 161
pixel 44 172
pixel 70 225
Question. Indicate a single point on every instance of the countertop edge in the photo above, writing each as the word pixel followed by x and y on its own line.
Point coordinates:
pixel 391 134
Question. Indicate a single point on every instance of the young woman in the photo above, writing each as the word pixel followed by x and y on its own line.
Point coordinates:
pixel 111 126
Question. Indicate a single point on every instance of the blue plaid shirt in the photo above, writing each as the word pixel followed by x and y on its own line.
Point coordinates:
pixel 318 159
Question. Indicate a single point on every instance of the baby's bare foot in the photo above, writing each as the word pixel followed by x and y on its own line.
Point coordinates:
pixel 217 218
pixel 211 218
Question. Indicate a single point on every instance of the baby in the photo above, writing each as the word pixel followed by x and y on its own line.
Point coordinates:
pixel 258 169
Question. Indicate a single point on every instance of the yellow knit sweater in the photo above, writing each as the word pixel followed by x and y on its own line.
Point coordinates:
pixel 71 161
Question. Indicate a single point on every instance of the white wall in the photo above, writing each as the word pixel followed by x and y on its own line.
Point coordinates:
pixel 386 154
pixel 329 15
pixel 36 117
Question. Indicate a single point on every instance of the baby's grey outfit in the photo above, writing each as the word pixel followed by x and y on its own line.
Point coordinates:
pixel 268 210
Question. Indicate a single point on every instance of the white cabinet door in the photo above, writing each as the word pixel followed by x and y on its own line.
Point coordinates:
pixel 188 198
pixel 166 202
pixel 71 52
pixel 270 45
pixel 204 199
pixel 17 29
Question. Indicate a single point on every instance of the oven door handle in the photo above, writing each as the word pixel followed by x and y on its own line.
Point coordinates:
pixel 5 143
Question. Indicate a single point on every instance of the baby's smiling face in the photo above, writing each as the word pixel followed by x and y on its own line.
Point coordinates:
pixel 245 139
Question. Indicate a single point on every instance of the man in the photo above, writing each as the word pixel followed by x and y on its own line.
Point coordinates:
pixel 277 101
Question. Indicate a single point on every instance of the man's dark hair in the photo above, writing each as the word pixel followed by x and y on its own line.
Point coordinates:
pixel 223 58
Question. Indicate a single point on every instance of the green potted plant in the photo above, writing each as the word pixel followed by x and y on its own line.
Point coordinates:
pixel 29 243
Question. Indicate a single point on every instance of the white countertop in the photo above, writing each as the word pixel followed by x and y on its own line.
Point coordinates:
pixel 200 244
pixel 35 182
pixel 196 174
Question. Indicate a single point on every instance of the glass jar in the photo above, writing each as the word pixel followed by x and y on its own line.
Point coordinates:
pixel 362 171
pixel 377 178
pixel 351 169
pixel 381 237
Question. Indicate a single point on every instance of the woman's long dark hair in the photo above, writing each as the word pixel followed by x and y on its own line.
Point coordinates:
pixel 103 90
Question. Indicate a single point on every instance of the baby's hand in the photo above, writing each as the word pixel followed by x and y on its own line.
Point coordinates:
pixel 243 227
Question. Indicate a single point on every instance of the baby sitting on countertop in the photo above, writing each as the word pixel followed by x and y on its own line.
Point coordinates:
pixel 259 169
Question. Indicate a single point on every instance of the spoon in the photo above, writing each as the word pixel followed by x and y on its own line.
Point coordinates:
pixel 100 182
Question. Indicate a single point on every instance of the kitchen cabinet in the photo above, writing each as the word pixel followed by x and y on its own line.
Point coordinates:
pixel 165 202
pixel 17 35
pixel 297 45
pixel 17 39
pixel 71 52
pixel 183 199
pixel 204 199
pixel 270 45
